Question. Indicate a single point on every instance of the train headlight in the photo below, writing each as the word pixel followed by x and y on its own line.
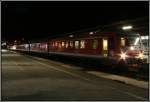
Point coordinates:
pixel 141 55
pixel 123 56
pixel 131 48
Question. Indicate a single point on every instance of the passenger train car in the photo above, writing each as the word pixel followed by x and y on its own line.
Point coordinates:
pixel 121 46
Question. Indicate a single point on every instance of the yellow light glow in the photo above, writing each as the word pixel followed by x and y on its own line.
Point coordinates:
pixel 105 44
pixel 122 42
pixel 123 56
pixel 13 47
pixel 82 44
pixel 63 44
pixel 126 27
pixel 141 55
pixel 131 48
pixel 76 44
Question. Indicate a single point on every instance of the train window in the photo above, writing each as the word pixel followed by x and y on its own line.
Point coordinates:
pixel 105 44
pixel 59 44
pixel 63 44
pixel 122 42
pixel 66 44
pixel 95 44
pixel 82 44
pixel 111 43
pixel 53 44
pixel 76 44
pixel 71 44
pixel 56 44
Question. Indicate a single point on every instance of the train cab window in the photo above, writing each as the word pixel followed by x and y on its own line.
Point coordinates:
pixel 71 44
pixel 76 44
pixel 62 43
pixel 105 44
pixel 95 44
pixel 82 44
pixel 122 42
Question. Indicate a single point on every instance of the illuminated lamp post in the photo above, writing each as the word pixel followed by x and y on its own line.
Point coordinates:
pixel 127 27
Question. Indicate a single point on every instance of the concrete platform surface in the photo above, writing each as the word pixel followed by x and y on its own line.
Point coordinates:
pixel 27 78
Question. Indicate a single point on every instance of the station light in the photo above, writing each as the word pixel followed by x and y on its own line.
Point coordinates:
pixel 71 36
pixel 144 37
pixel 3 50
pixel 3 44
pixel 91 33
pixel 26 46
pixel 126 27
pixel 13 47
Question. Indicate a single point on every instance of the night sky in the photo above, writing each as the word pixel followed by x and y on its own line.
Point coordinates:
pixel 34 20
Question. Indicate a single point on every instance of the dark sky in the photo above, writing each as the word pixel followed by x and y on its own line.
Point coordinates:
pixel 31 20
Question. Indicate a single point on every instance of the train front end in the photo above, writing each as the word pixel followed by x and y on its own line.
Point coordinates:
pixel 132 50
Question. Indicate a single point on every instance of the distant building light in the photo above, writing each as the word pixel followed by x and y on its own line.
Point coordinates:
pixel 91 33
pixel 3 50
pixel 131 48
pixel 144 37
pixel 126 27
pixel 3 44
pixel 13 47
pixel 26 45
pixel 71 36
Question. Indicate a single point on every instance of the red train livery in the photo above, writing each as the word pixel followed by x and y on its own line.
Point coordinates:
pixel 121 45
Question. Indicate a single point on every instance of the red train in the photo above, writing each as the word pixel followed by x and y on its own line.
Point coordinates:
pixel 95 44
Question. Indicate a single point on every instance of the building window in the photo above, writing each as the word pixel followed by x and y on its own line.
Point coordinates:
pixel 105 44
pixel 71 44
pixel 76 44
pixel 95 44
pixel 82 44
pixel 122 42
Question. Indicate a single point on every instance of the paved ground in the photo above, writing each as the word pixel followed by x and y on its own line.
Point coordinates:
pixel 29 78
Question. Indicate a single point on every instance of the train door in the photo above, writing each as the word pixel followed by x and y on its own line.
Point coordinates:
pixel 105 47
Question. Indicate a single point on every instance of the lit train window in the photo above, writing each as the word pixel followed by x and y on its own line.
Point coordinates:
pixel 122 42
pixel 71 44
pixel 67 44
pixel 56 44
pixel 82 44
pixel 63 44
pixel 95 44
pixel 53 44
pixel 105 44
pixel 59 44
pixel 76 44
pixel 46 46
